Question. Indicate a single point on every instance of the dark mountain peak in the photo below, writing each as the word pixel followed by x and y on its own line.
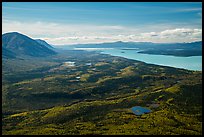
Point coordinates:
pixel 23 45
pixel 198 42
pixel 14 35
pixel 119 42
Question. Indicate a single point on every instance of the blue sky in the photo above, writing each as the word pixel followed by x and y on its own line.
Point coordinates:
pixel 96 22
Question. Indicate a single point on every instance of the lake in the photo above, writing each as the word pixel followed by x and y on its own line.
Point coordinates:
pixel 190 63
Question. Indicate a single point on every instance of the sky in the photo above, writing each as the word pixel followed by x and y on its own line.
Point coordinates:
pixel 66 23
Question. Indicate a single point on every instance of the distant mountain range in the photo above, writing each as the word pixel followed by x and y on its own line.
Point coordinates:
pixel 175 49
pixel 142 45
pixel 16 44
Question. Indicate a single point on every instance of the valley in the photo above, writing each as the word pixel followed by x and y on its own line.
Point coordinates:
pixel 95 96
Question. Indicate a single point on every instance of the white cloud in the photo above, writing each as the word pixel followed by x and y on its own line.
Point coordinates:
pixel 188 9
pixel 182 33
pixel 59 34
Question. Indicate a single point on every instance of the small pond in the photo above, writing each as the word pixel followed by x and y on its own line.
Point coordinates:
pixel 137 110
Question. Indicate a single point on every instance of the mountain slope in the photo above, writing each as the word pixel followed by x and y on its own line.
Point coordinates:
pixel 42 42
pixel 23 45
pixel 7 53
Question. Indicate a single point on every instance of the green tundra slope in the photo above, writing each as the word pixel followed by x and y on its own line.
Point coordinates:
pixel 96 94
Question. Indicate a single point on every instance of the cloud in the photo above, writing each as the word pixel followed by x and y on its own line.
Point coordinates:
pixel 188 9
pixel 174 35
pixel 58 34
pixel 54 29
pixel 181 32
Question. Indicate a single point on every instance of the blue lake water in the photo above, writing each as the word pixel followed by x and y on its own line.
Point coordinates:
pixel 190 63
pixel 137 110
